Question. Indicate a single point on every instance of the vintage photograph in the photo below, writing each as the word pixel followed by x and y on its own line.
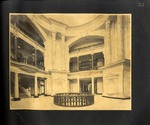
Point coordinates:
pixel 70 61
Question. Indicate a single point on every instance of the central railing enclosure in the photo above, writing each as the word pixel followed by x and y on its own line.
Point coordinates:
pixel 73 99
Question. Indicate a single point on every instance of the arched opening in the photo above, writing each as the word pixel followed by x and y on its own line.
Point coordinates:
pixel 86 43
pixel 88 54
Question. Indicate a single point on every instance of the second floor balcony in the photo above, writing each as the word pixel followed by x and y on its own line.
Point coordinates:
pixel 22 25
pixel 28 62
pixel 23 52
pixel 87 62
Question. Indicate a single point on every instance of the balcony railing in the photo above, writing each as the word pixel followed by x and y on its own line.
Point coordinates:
pixel 41 67
pixel 73 99
pixel 29 62
pixel 87 65
pixel 85 69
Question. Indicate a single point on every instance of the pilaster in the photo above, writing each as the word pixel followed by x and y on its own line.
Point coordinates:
pixel 107 40
pixel 53 49
pixel 48 53
pixel 45 90
pixel 120 36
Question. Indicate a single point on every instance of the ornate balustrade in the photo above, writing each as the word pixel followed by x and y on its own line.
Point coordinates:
pixel 73 99
pixel 29 62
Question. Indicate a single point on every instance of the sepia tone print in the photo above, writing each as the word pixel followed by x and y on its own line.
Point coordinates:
pixel 70 61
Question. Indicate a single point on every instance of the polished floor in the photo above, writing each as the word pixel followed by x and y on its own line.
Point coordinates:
pixel 46 103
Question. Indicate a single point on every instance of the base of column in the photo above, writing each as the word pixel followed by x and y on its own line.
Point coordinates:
pixel 123 98
pixel 36 96
pixel 98 93
pixel 116 80
pixel 16 99
pixel 46 95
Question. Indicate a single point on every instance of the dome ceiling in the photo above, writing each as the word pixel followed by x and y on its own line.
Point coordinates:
pixel 72 19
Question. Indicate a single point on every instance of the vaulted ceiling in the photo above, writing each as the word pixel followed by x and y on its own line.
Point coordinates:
pixel 73 19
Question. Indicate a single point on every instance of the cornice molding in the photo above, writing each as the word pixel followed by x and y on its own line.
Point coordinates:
pixel 125 62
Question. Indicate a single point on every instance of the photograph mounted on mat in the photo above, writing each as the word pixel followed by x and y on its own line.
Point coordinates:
pixel 70 61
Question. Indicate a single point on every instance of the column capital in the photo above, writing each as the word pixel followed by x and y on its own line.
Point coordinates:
pixel 63 37
pixel 53 34
pixel 107 23
pixel 35 86
pixel 78 82
pixel 15 35
pixel 35 76
pixel 43 54
pixel 17 73
pixel 45 82
pixel 35 48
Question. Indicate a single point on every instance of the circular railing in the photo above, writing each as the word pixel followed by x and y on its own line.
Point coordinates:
pixel 73 99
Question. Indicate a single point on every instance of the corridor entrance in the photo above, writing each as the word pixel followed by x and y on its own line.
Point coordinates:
pixel 26 86
pixel 85 86
pixel 41 86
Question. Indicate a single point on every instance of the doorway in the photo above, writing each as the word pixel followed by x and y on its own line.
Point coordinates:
pixel 41 86
pixel 85 86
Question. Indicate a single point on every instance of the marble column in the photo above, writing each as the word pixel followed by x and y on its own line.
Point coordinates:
pixel 16 88
pixel 67 58
pixel 78 83
pixel 35 87
pixel 69 86
pixel 92 62
pixel 78 66
pixel 43 61
pixel 35 56
pixel 45 89
pixel 16 48
pixel 92 85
